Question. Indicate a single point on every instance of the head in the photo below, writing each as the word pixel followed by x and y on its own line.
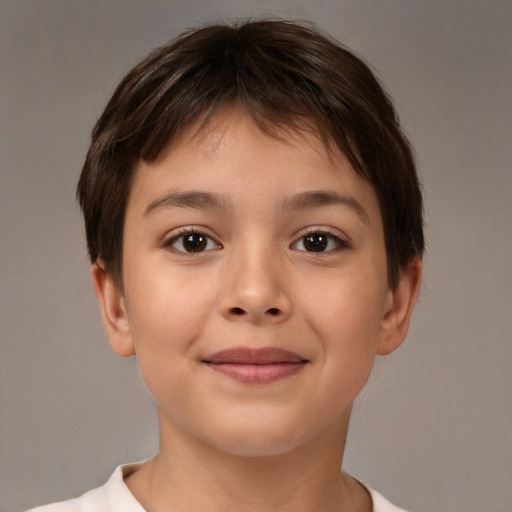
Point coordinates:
pixel 249 196
pixel 286 78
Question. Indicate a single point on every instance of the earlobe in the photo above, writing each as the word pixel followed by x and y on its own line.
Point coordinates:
pixel 113 311
pixel 399 307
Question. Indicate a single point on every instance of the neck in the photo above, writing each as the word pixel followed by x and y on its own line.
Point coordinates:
pixel 189 474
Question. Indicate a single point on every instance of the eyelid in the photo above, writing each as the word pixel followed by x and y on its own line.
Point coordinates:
pixel 171 238
pixel 342 241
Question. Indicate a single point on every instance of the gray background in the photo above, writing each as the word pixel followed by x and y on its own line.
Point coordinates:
pixel 433 430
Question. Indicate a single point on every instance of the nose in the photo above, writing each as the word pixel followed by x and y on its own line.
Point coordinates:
pixel 256 288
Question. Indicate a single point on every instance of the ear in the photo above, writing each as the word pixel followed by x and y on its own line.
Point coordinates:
pixel 399 306
pixel 113 311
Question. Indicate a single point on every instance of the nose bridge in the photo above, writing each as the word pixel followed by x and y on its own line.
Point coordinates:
pixel 255 283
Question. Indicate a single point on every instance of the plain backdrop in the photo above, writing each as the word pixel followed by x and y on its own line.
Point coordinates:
pixel 433 430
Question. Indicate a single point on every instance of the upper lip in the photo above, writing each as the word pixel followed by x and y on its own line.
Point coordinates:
pixel 247 355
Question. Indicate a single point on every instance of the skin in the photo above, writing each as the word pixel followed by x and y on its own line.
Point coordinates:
pixel 225 444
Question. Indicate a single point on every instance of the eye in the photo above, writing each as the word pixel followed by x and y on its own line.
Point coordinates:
pixel 319 241
pixel 191 242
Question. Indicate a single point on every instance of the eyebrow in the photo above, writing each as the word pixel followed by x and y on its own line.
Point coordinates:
pixel 193 199
pixel 211 201
pixel 319 198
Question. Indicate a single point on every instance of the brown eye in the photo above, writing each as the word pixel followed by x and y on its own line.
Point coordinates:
pixel 195 242
pixel 319 241
pixel 192 242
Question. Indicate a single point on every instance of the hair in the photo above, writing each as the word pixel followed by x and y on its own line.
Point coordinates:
pixel 285 76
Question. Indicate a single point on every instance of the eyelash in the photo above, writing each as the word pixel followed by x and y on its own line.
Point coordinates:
pixel 187 232
pixel 340 244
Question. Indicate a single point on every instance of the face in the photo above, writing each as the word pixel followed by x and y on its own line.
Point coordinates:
pixel 255 287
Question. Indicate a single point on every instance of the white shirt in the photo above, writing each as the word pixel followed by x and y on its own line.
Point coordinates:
pixel 114 496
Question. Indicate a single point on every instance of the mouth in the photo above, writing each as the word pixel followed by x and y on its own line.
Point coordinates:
pixel 256 366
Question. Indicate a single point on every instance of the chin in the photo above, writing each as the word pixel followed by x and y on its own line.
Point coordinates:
pixel 255 450
pixel 264 441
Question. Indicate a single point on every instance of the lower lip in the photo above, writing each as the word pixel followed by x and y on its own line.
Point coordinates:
pixel 257 373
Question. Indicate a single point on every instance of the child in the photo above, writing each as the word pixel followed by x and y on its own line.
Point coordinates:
pixel 254 222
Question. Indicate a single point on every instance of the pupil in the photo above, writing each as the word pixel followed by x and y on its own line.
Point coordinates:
pixel 316 242
pixel 194 242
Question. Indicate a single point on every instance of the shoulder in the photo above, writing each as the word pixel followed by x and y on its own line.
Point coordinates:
pixel 113 496
pixel 381 504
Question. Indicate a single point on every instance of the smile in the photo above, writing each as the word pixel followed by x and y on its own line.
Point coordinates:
pixel 256 366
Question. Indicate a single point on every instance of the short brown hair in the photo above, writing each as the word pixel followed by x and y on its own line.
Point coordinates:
pixel 284 75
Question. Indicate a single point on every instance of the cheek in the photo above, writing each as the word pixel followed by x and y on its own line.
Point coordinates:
pixel 347 319
pixel 164 329
pixel 167 304
pixel 347 308
pixel 167 315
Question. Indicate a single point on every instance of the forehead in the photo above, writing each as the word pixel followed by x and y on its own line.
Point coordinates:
pixel 211 134
pixel 231 148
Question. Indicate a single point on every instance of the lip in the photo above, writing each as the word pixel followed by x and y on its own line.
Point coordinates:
pixel 256 366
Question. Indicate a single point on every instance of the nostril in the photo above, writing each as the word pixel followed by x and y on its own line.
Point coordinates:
pixel 238 311
pixel 273 311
